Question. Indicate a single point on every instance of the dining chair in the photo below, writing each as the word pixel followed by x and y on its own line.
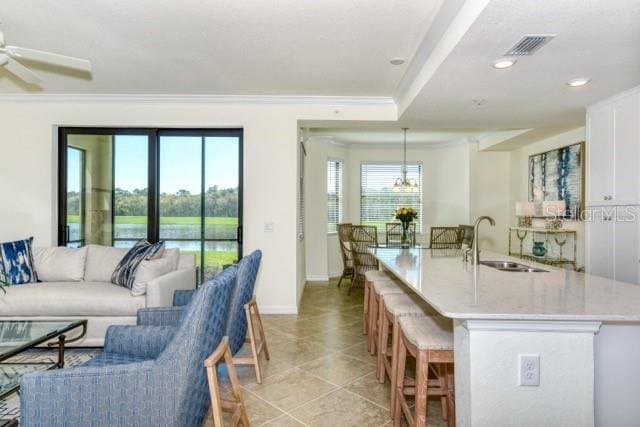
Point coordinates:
pixel 394 233
pixel 361 238
pixel 465 235
pixel 344 236
pixel 445 238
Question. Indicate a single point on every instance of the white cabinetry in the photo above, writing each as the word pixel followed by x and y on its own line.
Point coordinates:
pixel 613 151
pixel 612 228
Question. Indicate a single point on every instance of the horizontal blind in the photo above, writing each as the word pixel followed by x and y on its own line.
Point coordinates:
pixel 334 195
pixel 377 200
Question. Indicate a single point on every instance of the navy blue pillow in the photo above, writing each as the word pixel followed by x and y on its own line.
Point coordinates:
pixel 125 272
pixel 16 262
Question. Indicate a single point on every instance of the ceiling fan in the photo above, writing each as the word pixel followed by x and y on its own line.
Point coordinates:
pixel 10 54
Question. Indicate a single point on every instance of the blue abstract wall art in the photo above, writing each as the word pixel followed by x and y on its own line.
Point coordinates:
pixel 559 175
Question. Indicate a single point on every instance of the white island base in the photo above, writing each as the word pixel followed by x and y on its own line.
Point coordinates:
pixel 487 379
pixel 584 329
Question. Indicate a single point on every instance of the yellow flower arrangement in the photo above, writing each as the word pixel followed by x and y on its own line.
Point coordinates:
pixel 405 214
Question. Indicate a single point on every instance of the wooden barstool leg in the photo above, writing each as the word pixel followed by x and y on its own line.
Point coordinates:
pixel 217 403
pixel 263 337
pixel 451 397
pixel 422 379
pixel 395 349
pixel 365 314
pixel 398 387
pixel 441 370
pixel 373 318
pixel 254 345
pixel 382 340
pixel 256 338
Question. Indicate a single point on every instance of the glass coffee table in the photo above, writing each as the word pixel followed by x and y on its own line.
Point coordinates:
pixel 18 336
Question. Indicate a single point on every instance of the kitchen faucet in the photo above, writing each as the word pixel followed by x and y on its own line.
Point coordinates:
pixel 474 251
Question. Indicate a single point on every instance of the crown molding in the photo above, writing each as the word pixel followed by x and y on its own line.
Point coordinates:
pixel 410 146
pixel 328 139
pixel 202 99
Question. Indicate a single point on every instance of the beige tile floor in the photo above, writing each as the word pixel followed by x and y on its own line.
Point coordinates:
pixel 320 373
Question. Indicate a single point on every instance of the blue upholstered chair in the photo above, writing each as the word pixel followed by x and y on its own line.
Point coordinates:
pixel 146 376
pixel 243 315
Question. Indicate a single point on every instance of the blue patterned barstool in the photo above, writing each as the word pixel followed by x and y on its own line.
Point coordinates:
pixel 243 322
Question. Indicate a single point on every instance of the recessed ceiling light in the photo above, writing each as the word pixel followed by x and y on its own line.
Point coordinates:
pixel 396 61
pixel 580 81
pixel 503 63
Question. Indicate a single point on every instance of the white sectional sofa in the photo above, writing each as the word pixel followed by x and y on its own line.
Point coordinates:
pixel 76 284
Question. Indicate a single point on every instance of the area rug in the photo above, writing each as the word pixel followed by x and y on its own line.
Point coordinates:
pixel 10 408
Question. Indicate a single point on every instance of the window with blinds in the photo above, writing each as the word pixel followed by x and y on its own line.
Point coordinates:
pixel 377 200
pixel 334 195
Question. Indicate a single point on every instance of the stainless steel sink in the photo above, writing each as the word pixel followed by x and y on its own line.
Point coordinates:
pixel 513 266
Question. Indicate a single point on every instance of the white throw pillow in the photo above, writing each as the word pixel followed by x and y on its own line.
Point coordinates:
pixel 148 270
pixel 101 262
pixel 60 264
pixel 172 254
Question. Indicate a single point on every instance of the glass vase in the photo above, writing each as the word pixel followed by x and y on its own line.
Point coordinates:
pixel 405 241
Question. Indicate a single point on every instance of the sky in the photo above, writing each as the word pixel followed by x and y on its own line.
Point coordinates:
pixel 180 163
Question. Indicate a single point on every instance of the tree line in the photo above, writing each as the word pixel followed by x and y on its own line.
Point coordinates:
pixel 221 202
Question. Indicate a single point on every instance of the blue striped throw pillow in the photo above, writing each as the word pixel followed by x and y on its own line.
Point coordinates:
pixel 16 262
pixel 125 272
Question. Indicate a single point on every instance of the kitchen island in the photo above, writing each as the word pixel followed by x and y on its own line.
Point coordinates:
pixel 555 314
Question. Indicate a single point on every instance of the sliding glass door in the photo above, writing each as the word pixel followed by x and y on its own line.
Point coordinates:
pixel 117 186
pixel 199 196
pixel 76 197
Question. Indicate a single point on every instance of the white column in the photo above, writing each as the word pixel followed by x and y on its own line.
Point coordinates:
pixel 487 373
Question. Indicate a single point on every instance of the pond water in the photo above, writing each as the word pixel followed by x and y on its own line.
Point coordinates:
pixel 217 254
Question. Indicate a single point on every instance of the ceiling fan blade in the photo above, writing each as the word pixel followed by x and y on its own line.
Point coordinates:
pixel 51 58
pixel 23 72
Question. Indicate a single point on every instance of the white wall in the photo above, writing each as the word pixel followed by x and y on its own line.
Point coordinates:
pixel 489 189
pixel 520 184
pixel 322 249
pixel 28 167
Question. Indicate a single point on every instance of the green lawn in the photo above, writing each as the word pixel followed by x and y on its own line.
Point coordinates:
pixel 169 220
pixel 214 258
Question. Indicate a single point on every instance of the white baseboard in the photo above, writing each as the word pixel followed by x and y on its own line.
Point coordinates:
pixel 335 274
pixel 278 309
pixel 317 278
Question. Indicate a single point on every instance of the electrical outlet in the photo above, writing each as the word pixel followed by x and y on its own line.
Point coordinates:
pixel 529 370
pixel 268 227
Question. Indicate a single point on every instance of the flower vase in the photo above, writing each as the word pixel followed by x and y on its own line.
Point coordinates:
pixel 405 241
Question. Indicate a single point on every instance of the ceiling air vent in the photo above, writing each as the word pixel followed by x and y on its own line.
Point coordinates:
pixel 529 44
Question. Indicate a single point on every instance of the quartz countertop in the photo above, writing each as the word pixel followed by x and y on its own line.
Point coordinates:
pixel 464 291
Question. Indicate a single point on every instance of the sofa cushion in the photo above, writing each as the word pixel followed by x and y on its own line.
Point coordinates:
pixel 16 262
pixel 149 270
pixel 173 254
pixel 101 262
pixel 59 264
pixel 70 299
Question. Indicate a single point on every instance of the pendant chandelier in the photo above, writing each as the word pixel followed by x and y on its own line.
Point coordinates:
pixel 402 184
